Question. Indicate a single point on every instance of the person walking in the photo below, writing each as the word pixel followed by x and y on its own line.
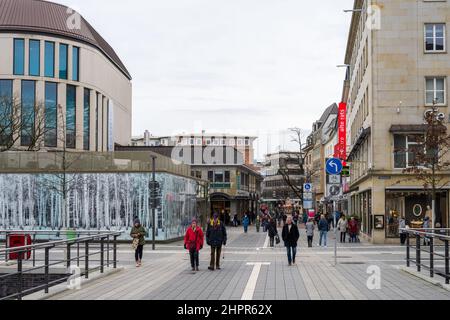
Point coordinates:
pixel 258 224
pixel 193 241
pixel 426 227
pixel 216 237
pixel 284 219
pixel 342 228
pixel 290 237
pixel 310 227
pixel 138 234
pixel 403 233
pixel 305 218
pixel 323 228
pixel 272 232
pixel 353 229
pixel 246 223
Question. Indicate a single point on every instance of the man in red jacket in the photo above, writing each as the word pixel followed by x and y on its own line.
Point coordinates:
pixel 193 241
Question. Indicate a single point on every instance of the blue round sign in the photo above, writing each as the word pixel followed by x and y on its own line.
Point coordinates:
pixel 334 166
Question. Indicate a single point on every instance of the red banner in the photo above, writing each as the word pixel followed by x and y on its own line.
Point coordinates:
pixel 341 147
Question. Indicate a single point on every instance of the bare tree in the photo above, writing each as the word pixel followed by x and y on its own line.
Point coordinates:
pixel 293 166
pixel 20 122
pixel 62 182
pixel 430 156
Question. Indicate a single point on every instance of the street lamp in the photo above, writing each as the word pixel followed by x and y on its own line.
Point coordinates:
pixel 153 201
pixel 353 10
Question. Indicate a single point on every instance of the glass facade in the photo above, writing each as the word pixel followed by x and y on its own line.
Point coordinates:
pixel 34 58
pixel 63 58
pixel 6 101
pixel 19 57
pixel 96 122
pixel 86 119
pixel 28 112
pixel 71 99
pixel 97 202
pixel 49 59
pixel 51 114
pixel 75 64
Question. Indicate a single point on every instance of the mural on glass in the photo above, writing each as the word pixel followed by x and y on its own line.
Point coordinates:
pixel 96 202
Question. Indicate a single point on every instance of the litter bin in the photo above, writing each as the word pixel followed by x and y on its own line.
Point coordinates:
pixel 18 240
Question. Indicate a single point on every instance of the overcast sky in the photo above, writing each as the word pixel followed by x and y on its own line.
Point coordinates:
pixel 253 67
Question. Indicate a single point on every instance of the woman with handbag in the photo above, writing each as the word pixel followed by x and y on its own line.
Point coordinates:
pixel 138 234
pixel 193 241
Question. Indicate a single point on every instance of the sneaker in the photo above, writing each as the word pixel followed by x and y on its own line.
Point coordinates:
pixel 211 268
pixel 218 268
pixel 196 269
pixel 137 265
pixel 193 269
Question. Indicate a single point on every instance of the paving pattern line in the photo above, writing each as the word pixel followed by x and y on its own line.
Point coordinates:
pixel 251 284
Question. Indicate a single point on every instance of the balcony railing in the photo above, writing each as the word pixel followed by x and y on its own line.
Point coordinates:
pixel 221 185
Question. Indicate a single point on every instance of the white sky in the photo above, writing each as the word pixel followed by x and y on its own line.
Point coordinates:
pixel 253 67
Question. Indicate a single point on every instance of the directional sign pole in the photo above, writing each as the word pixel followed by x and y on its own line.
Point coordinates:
pixel 153 202
pixel 335 233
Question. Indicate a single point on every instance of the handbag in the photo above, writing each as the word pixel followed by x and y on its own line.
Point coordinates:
pixel 277 239
pixel 135 244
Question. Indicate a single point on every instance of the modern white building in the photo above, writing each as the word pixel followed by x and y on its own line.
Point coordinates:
pixel 53 58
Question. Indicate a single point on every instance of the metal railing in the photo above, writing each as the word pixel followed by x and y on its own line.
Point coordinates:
pixel 89 251
pixel 429 249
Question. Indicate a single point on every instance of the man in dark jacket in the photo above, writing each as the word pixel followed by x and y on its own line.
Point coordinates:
pixel 216 236
pixel 323 228
pixel 290 237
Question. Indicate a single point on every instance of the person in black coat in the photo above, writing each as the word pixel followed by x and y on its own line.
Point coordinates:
pixel 216 237
pixel 290 237
pixel 272 231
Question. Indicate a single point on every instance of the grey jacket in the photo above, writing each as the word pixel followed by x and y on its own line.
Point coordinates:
pixel 310 229
pixel 342 225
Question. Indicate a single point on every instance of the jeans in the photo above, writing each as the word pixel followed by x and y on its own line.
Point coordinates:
pixel 194 258
pixel 403 238
pixel 139 252
pixel 323 238
pixel 272 242
pixel 245 229
pixel 310 241
pixel 291 253
pixel 215 257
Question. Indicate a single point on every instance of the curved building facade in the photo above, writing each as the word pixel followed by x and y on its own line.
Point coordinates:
pixel 58 67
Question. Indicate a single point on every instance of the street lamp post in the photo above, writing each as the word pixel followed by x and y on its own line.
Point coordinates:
pixel 153 202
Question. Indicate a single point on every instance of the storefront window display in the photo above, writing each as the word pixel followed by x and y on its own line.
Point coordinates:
pixel 414 206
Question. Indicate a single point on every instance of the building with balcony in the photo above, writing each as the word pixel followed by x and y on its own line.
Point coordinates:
pixel 54 66
pixel 399 66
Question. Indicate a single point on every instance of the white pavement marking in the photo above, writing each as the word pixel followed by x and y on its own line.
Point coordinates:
pixel 266 243
pixel 251 284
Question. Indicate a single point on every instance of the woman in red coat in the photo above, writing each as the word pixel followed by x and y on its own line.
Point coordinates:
pixel 193 241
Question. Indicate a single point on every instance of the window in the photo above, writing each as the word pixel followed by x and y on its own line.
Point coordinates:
pixel 87 119
pixel 63 57
pixel 34 58
pixel 51 112
pixel 49 60
pixel 19 57
pixel 435 90
pixel 27 112
pixel 219 176
pixel 75 64
pixel 96 122
pixel 211 176
pixel 227 177
pixel 191 142
pixel 435 37
pixel 71 117
pixel 6 101
pixel 406 148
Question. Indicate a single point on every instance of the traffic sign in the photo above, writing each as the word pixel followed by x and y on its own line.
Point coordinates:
pixel 334 179
pixel 307 187
pixel 334 166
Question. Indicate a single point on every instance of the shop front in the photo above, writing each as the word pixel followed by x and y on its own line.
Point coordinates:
pixel 414 205
pixel 361 209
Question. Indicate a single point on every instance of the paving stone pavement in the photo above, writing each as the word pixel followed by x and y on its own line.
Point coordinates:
pixel 166 274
